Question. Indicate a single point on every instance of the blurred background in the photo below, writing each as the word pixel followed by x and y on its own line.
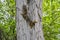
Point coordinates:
pixel 50 19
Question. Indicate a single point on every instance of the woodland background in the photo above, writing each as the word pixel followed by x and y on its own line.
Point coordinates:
pixel 50 19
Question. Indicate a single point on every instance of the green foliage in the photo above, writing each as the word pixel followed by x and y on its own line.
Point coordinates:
pixel 7 20
pixel 51 19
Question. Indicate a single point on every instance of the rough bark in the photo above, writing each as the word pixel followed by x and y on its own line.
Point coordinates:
pixel 28 20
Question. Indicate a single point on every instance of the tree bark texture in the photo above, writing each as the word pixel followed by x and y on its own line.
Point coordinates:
pixel 28 20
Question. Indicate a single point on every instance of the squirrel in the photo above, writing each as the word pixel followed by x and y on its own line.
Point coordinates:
pixel 25 16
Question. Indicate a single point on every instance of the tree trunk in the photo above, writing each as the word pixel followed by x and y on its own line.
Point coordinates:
pixel 28 20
